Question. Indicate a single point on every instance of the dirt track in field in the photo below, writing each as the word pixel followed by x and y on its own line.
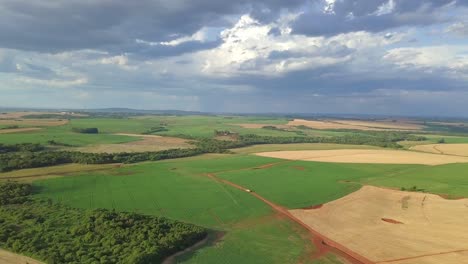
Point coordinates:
pixel 18 130
pixel 446 149
pixel 379 156
pixel 147 143
pixel 390 226
pixel 323 244
pixel 7 257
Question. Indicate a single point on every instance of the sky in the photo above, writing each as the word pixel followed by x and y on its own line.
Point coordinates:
pixel 390 57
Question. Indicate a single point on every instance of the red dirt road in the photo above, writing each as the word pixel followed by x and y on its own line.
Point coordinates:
pixel 322 243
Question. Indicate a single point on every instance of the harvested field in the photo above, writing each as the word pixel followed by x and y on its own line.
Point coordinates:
pixel 19 130
pixel 147 143
pixel 447 149
pixel 429 229
pixel 7 257
pixel 33 122
pixel 397 125
pixel 355 125
pixel 297 146
pixel 380 156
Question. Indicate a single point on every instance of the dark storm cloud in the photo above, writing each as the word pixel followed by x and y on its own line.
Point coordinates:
pixel 364 15
pixel 54 26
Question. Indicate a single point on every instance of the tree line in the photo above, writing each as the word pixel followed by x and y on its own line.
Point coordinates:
pixel 55 233
pixel 22 156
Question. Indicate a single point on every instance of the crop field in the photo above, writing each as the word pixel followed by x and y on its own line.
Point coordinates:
pixel 256 200
pixel 379 156
pixel 447 149
pixel 408 222
pixel 146 143
pixel 295 147
pixel 179 190
pixel 63 135
pixel 355 124
pixel 18 130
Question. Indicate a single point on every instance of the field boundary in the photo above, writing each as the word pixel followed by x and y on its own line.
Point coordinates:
pixel 319 239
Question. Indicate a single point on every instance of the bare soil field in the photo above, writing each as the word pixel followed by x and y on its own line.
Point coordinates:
pixel 147 143
pixel 16 115
pixel 33 122
pixel 19 130
pixel 447 149
pixel 7 257
pixel 355 125
pixel 389 226
pixel 381 156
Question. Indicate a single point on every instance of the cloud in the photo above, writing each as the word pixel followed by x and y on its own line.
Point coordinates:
pixel 356 56
pixel 371 15
pixel 459 29
pixel 56 26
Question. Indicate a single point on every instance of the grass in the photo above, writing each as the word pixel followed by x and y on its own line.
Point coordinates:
pixel 178 189
pixel 63 134
pixel 297 184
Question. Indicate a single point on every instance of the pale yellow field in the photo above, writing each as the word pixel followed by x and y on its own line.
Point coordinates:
pixel 431 229
pixel 447 149
pixel 381 156
pixel 355 125
pixel 297 146
pixel 7 257
pixel 19 130
pixel 147 143
pixel 398 125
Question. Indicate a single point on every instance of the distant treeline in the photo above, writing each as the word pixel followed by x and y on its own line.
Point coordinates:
pixel 57 234
pixel 23 160
pixel 31 156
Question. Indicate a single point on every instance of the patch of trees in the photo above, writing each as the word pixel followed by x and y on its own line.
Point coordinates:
pixel 57 234
pixel 56 143
pixel 10 127
pixel 155 130
pixel 23 147
pixel 412 189
pixel 14 193
pixel 89 130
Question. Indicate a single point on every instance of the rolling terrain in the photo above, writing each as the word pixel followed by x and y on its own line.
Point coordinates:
pixel 261 186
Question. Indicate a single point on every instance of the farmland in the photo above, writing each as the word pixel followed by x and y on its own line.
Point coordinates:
pixel 241 189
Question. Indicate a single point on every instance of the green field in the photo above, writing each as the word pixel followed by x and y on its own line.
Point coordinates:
pixel 63 134
pixel 179 190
